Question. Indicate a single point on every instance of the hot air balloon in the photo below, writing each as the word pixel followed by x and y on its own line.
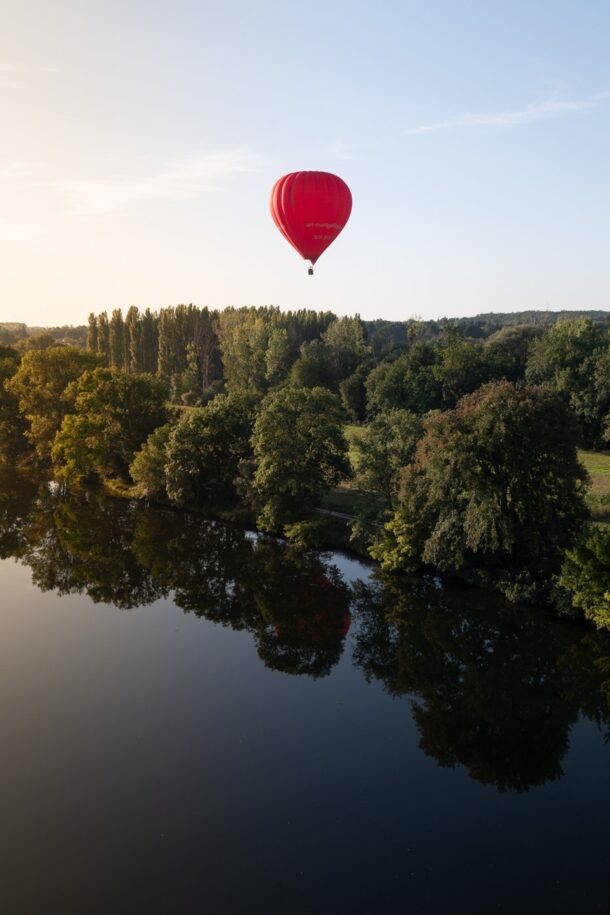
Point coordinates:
pixel 310 209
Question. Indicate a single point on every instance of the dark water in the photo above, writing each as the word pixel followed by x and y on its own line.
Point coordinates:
pixel 194 720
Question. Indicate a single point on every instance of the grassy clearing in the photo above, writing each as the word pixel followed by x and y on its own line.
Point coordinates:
pixel 598 499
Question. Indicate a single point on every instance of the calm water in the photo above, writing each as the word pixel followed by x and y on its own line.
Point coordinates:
pixel 196 720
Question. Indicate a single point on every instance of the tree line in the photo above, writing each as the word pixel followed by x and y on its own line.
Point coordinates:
pixel 467 447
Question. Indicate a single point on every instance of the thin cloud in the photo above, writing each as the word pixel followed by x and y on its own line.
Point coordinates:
pixel 181 181
pixel 550 108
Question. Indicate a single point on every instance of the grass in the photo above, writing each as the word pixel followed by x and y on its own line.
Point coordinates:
pixel 598 498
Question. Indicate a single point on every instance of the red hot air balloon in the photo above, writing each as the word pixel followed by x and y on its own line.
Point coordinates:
pixel 310 209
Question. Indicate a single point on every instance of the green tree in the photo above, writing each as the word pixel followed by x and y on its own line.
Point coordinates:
pixel 385 448
pixel 13 425
pixel 117 342
pixel 495 492
pixel 299 452
pixel 40 385
pixel 312 369
pixel 565 360
pixel 407 383
pixel 147 469
pixel 586 575
pixel 346 346
pixel 114 413
pixel 461 369
pixel 92 333
pixel 277 357
pixel 206 448
pixel 353 392
pixel 103 337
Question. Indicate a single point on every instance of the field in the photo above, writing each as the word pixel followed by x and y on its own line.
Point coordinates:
pixel 598 465
pixel 348 499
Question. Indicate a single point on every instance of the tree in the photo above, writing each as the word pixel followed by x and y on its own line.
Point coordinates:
pixel 103 337
pixel 133 341
pixel 92 333
pixel 40 385
pixel 353 392
pixel 312 369
pixel 114 413
pixel 299 452
pixel 13 425
pixel 206 448
pixel 147 469
pixel 277 357
pixel 506 351
pixel 495 492
pixel 117 341
pixel 564 360
pixel 386 446
pixel 407 383
pixel 586 575
pixel 344 340
pixel 461 369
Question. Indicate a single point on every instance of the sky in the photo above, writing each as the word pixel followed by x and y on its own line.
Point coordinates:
pixel 139 142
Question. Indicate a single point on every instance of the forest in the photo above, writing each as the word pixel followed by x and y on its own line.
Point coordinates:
pixel 452 447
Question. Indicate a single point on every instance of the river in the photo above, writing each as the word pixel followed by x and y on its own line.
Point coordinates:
pixel 196 719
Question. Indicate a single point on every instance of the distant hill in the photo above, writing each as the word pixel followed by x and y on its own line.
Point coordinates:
pixel 69 335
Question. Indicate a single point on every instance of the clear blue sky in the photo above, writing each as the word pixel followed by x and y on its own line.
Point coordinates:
pixel 140 140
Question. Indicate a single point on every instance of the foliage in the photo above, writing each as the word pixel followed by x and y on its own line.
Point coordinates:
pixel 147 468
pixel 41 386
pixel 572 359
pixel 114 413
pixel 386 446
pixel 299 451
pixel 586 575
pixel 12 424
pixel 495 491
pixel 206 448
pixel 407 383
pixel 353 392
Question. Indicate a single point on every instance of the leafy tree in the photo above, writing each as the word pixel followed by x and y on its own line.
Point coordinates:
pixel 346 346
pixel 353 392
pixel 507 350
pixel 13 425
pixel 147 469
pixel 299 451
pixel 565 360
pixel 114 413
pixel 206 448
pixel 586 575
pixel 461 369
pixel 36 341
pixel 385 448
pixel 117 339
pixel 40 385
pixel 277 357
pixel 495 492
pixel 407 383
pixel 103 337
pixel 92 333
pixel 312 369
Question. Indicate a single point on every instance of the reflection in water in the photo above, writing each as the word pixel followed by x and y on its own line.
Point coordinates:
pixel 493 688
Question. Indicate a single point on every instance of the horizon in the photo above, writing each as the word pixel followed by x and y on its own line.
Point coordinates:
pixel 140 148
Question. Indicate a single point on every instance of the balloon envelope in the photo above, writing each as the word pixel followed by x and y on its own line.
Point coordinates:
pixel 310 209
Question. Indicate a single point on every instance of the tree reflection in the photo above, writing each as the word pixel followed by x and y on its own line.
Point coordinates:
pixel 492 687
pixel 296 606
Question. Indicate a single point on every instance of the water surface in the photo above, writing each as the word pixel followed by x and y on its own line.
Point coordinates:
pixel 196 719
